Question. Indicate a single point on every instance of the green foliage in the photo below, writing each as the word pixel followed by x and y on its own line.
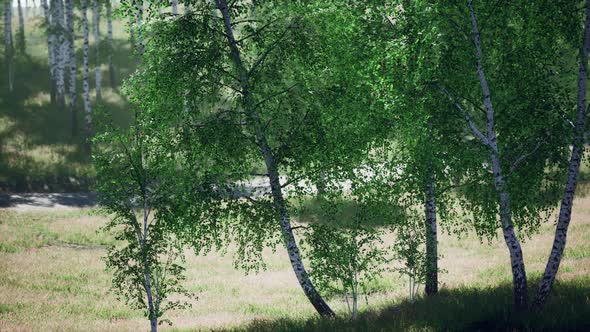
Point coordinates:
pixel 133 190
pixel 344 260
pixel 408 249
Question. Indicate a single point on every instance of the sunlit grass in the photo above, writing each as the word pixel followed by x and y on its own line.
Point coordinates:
pixel 52 278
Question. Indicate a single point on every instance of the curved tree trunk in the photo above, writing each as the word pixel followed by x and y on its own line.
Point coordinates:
pixel 431 284
pixel 72 65
pixel 96 31
pixel 85 83
pixel 514 248
pixel 8 44
pixel 278 200
pixel 565 211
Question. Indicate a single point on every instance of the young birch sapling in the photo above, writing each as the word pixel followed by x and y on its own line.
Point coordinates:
pixel 132 178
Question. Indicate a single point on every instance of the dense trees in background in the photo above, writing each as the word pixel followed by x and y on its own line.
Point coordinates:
pixel 85 82
pixel 8 45
pixel 61 23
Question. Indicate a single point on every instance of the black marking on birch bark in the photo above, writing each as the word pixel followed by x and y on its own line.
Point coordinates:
pixel 280 206
pixel 564 218
pixel 517 262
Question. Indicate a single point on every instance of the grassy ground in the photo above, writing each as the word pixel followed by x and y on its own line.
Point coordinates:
pixel 37 150
pixel 52 278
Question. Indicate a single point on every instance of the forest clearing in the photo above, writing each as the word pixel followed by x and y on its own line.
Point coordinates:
pixel 52 278
pixel 248 165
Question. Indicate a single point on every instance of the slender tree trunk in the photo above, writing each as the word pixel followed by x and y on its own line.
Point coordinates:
pixel 514 248
pixel 174 7
pixel 138 33
pixel 72 65
pixel 47 12
pixel 431 286
pixel 61 49
pixel 21 42
pixel 8 44
pixel 96 31
pixel 146 268
pixel 567 201
pixel 85 83
pixel 355 290
pixel 110 44
pixel 279 203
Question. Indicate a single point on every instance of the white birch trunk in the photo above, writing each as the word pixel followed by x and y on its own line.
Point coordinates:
pixel 21 28
pixel 72 65
pixel 138 33
pixel 431 284
pixel 153 317
pixel 514 248
pixel 110 44
pixel 565 210
pixel 96 25
pixel 85 83
pixel 61 53
pixel 355 290
pixel 278 201
pixel 8 44
pixel 47 13
pixel 174 7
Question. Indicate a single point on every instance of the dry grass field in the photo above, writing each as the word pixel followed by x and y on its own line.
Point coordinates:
pixel 52 278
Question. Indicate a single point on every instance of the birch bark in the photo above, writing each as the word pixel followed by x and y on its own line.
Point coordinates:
pixel 8 44
pixel 61 49
pixel 50 42
pixel 21 29
pixel 567 202
pixel 110 44
pixel 71 65
pixel 142 238
pixel 85 83
pixel 431 286
pixel 96 26
pixel 272 170
pixel 174 7
pixel 514 248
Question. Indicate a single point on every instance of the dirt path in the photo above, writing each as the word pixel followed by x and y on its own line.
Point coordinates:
pixel 32 201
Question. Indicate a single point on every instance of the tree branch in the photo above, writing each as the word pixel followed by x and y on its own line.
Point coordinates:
pixel 268 50
pixel 472 125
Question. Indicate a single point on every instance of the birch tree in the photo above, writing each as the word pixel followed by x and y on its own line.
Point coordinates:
pixel 60 50
pixel 233 83
pixel 567 201
pixel 174 4
pixel 96 34
pixel 8 44
pixel 522 188
pixel 71 64
pixel 20 40
pixel 110 44
pixel 85 83
pixel 132 184
pixel 51 39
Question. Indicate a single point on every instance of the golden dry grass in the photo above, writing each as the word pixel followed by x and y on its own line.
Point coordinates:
pixel 52 277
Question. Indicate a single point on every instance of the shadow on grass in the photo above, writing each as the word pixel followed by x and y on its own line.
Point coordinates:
pixel 37 149
pixel 344 213
pixel 79 200
pixel 458 310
